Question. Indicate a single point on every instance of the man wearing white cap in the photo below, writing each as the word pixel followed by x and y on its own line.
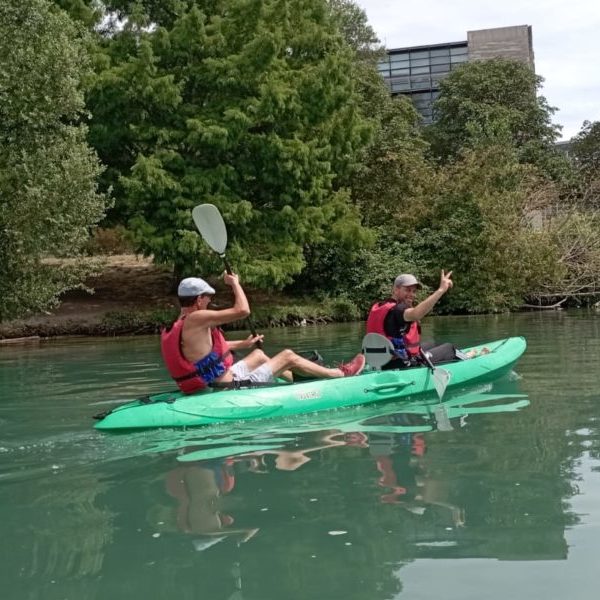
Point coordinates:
pixel 398 320
pixel 197 354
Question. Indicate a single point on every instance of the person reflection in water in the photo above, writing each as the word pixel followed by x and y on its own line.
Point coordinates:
pixel 198 488
pixel 400 459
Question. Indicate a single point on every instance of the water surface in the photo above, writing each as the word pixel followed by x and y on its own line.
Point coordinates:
pixel 378 502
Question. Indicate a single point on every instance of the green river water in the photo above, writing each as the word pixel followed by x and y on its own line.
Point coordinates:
pixel 380 502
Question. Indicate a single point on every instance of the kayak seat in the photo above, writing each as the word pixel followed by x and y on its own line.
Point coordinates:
pixel 378 350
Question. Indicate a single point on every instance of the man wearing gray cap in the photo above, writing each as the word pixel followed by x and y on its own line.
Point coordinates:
pixel 398 320
pixel 197 354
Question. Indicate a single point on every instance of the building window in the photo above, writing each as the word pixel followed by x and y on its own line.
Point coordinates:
pixel 400 85
pixel 420 82
pixel 458 51
pixel 400 56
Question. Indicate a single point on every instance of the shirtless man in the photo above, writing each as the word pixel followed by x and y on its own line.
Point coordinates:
pixel 197 354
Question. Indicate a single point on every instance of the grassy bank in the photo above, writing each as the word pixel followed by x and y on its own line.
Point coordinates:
pixel 139 321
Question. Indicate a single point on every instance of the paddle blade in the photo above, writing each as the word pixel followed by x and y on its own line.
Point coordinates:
pixel 442 419
pixel 441 379
pixel 211 226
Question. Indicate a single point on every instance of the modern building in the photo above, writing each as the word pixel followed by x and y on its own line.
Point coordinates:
pixel 416 71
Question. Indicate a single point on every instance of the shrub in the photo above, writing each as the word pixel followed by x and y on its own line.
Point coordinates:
pixel 109 241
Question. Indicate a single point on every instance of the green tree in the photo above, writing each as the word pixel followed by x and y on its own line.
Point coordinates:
pixel 478 223
pixel 353 24
pixel 160 12
pixel 48 197
pixel 496 102
pixel 392 170
pixel 89 12
pixel 392 166
pixel 249 105
pixel 585 148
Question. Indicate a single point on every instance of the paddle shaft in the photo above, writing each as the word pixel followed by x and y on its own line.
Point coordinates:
pixel 210 225
pixel 427 360
pixel 258 343
pixel 311 355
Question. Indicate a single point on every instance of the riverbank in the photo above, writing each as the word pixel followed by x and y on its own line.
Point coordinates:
pixel 134 296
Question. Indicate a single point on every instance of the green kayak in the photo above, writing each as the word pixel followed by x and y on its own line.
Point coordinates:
pixel 174 409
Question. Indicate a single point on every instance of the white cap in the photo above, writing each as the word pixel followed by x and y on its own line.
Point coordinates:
pixel 406 280
pixel 194 286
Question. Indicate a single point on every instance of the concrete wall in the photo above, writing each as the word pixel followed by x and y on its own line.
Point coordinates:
pixel 506 42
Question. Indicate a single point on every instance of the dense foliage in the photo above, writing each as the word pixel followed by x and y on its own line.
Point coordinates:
pixel 477 224
pixel 274 110
pixel 248 105
pixel 48 173
pixel 585 147
pixel 497 102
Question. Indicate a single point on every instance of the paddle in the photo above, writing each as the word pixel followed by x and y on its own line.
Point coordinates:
pixel 441 378
pixel 210 224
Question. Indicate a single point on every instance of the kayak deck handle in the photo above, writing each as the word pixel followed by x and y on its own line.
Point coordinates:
pixel 382 387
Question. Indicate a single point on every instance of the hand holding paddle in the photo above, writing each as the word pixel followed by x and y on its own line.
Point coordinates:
pixel 210 225
pixel 251 340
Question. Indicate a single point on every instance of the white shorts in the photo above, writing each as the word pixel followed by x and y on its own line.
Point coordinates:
pixel 241 372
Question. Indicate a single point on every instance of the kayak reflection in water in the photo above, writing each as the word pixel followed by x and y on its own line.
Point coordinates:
pixel 290 460
pixel 197 354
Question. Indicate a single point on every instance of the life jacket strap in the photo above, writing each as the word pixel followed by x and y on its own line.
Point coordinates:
pixel 204 369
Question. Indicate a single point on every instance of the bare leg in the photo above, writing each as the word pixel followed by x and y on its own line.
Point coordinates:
pixel 256 358
pixel 287 359
pixel 287 375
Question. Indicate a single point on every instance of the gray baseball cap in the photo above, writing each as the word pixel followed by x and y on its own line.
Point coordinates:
pixel 194 286
pixel 406 280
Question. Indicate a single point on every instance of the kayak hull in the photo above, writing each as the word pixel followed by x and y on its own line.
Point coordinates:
pixel 173 409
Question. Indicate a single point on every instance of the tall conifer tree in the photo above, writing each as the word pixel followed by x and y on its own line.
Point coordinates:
pixel 248 104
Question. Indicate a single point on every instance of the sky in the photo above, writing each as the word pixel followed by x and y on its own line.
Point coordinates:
pixel 566 41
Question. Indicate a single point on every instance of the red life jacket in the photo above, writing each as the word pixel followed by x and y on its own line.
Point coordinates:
pixel 189 376
pixel 375 324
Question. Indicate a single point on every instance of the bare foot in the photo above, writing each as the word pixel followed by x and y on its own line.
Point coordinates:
pixel 474 353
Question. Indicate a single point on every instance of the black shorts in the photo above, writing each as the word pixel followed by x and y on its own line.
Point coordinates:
pixel 441 354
